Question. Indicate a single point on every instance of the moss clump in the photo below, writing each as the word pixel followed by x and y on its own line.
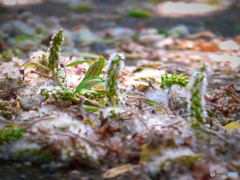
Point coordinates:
pixel 82 8
pixel 8 108
pixel 6 56
pixel 54 50
pixel 174 80
pixel 114 70
pixel 62 93
pixel 10 134
pixel 6 114
pixel 33 155
pixel 196 102
pixel 139 14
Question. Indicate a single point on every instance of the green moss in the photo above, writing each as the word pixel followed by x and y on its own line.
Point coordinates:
pixel 196 109
pixel 174 79
pixel 4 105
pixel 10 134
pixel 139 14
pixel 211 3
pixel 6 114
pixel 112 73
pixel 153 2
pixel 20 81
pixel 34 155
pixel 188 159
pixel 7 55
pixel 64 94
pixel 81 8
pixel 54 50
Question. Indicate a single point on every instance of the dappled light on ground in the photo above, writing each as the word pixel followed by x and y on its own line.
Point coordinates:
pixel 179 9
pixel 185 8
pixel 19 2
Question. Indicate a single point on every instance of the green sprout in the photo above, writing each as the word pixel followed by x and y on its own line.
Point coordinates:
pixel 61 91
pixel 10 134
pixel 196 104
pixel 114 70
pixel 139 14
pixel 174 79
pixel 7 55
pixel 54 50
pixel 90 80
pixel 53 58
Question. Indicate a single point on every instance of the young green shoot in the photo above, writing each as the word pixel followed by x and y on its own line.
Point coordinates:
pixel 114 70
pixel 196 102
pixel 174 80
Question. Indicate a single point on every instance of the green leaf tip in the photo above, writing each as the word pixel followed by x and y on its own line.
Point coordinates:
pixel 78 62
pixel 114 70
pixel 196 102
pixel 35 64
pixel 95 69
pixel 54 49
pixel 89 83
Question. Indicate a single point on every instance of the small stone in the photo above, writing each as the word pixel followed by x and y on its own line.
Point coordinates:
pixel 6 27
pixel 24 16
pixel 23 176
pixel 207 35
pixel 180 30
pixel 150 38
pixel 75 174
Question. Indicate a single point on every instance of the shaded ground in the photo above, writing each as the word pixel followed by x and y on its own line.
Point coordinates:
pixel 19 171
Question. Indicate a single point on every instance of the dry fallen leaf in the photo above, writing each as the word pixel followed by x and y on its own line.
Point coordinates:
pixel 111 173
pixel 228 72
pixel 232 126
pixel 143 87
pixel 88 122
pixel 16 105
pixel 206 46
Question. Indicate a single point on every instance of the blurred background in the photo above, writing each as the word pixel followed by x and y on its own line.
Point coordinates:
pixel 106 26
pixel 98 26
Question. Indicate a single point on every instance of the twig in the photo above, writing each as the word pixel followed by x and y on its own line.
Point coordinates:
pixel 40 74
pixel 211 132
pixel 165 109
pixel 168 126
pixel 2 120
pixel 90 102
pixel 44 118
pixel 77 136
pixel 26 62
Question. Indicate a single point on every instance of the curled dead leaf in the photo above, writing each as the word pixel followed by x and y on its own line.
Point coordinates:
pixel 16 105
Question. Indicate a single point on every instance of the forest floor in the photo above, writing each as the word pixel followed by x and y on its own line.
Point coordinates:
pixel 190 40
